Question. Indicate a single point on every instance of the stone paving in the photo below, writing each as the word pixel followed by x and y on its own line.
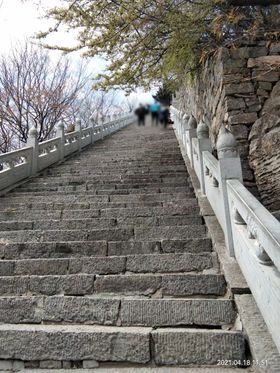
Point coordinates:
pixel 105 259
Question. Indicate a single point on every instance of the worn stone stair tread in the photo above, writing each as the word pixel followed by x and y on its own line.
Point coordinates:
pixel 176 284
pixel 75 342
pixel 68 235
pixel 87 191
pixel 139 233
pixel 98 222
pixel 149 263
pixel 68 249
pixel 127 344
pixel 198 346
pixel 76 205
pixel 189 205
pixel 35 250
pixel 191 211
pixel 145 370
pixel 157 197
pixel 124 311
pixel 191 245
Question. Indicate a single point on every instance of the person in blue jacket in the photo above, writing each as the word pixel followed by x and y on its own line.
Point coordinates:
pixel 155 110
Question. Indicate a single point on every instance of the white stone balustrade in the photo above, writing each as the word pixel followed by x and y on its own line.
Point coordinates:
pixel 20 164
pixel 252 234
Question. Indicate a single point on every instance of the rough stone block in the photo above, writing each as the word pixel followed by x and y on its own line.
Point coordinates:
pixel 97 265
pixel 122 284
pixel 133 247
pixel 68 285
pixel 14 285
pixel 263 62
pixel 234 103
pixel 50 364
pixel 41 267
pixel 7 268
pixel 183 285
pixel 169 263
pixel 117 234
pixel 246 52
pixel 192 245
pixel 82 342
pixel 244 118
pixel 175 312
pixel 6 365
pixel 199 347
pixel 232 89
pixel 265 76
pixel 240 132
pixel 90 364
pixel 165 233
pixel 34 250
pixel 19 310
pixel 265 85
pixel 80 310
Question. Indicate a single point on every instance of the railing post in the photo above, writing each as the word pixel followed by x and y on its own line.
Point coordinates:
pixel 78 128
pixel 32 141
pixel 61 134
pixel 93 124
pixel 186 118
pixel 229 168
pixel 204 144
pixel 192 125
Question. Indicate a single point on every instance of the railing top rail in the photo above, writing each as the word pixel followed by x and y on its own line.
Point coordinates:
pixel 210 160
pixel 50 141
pixel 86 129
pixel 70 134
pixel 15 152
pixel 258 217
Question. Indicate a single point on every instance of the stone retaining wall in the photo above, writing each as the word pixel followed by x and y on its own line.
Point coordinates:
pixel 240 86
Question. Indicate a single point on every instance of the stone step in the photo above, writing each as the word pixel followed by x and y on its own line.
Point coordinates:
pixel 135 369
pixel 96 223
pixel 29 250
pixel 139 233
pixel 152 171
pixel 103 192
pixel 181 285
pixel 167 284
pixel 198 347
pixel 120 344
pixel 75 342
pixel 88 190
pixel 94 180
pixel 156 197
pixel 11 206
pixel 34 250
pixel 168 232
pixel 127 212
pixel 99 184
pixel 149 263
pixel 191 245
pixel 118 311
pixel 117 234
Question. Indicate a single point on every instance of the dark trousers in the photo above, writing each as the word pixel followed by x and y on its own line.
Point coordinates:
pixel 141 121
pixel 155 117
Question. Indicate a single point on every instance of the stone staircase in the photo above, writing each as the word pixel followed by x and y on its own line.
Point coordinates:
pixel 105 262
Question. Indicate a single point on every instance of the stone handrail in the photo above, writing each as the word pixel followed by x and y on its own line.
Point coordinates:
pixel 20 164
pixel 252 234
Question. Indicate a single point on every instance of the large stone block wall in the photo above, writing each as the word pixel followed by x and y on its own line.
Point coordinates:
pixel 240 87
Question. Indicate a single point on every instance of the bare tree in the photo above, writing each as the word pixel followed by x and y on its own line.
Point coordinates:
pixel 34 91
pixel 96 105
